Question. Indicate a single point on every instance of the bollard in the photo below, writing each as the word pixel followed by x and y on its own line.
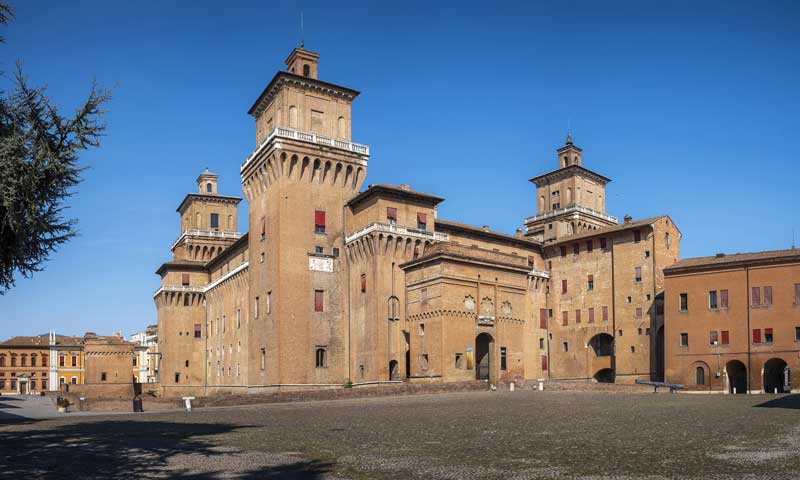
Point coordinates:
pixel 734 390
pixel 188 403
pixel 511 387
pixel 776 390
pixel 541 386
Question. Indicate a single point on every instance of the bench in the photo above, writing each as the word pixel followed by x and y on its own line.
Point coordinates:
pixel 673 387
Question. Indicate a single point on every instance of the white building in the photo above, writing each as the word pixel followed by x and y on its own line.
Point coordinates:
pixel 145 366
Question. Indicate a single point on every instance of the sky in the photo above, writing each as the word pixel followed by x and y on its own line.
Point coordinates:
pixel 689 107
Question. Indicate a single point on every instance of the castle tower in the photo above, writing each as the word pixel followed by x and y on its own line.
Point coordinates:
pixel 297 181
pixel 570 199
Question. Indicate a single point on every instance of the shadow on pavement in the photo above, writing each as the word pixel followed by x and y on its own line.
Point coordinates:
pixel 784 401
pixel 134 449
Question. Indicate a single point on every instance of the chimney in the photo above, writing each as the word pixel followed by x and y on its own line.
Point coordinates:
pixel 519 233
pixel 405 186
pixel 627 218
pixel 485 228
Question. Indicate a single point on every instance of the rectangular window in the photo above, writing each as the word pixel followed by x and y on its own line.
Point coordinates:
pixel 319 221
pixel 541 343
pixel 605 313
pixel 712 299
pixel 503 360
pixel 767 335
pixel 531 261
pixel 712 338
pixel 563 251
pixel 725 337
pixel 603 244
pixel 797 334
pixel 421 329
pixel 756 335
pixel 639 312
pixel 391 215
pixel 566 346
pixel 723 299
pixel 563 286
pixel 756 296
pixel 684 306
pixel 544 363
pixel 684 339
pixel 214 220
pixel 224 323
pixel 185 279
pixel 255 308
pixel 589 246
pixel 74 361
pixel 543 318
pixel 268 306
pixel 423 296
pixel 666 240
pixel 318 249
pixel 197 331
pixel 591 315
pixel 565 318
pixel 590 282
pixel 263 358
pixel 238 319
pixel 637 236
pixel 767 295
pixel 319 301
pixel 103 377
pixel 637 277
pixel 422 221
pixel 576 249
pixel 577 316
pixel 797 293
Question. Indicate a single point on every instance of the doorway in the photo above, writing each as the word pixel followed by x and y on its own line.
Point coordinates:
pixel 737 376
pixel 483 349
pixel 394 373
pixel 775 373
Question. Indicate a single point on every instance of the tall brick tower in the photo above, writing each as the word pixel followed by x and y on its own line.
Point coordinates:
pixel 297 181
pixel 570 199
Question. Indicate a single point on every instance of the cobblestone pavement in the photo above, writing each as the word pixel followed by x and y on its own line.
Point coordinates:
pixel 454 436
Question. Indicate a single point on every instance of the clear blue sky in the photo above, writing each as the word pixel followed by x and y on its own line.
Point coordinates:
pixel 691 110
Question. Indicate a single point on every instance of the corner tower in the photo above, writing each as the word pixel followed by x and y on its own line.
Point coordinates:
pixel 570 199
pixel 297 182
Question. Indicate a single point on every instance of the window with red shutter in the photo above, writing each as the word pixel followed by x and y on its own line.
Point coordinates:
pixel 391 215
pixel 577 316
pixel 723 299
pixel 543 318
pixel 319 221
pixel 767 335
pixel 725 337
pixel 319 300
pixel 767 295
pixel 563 286
pixel 756 294
pixel 544 362
pixel 605 314
pixel 591 315
pixel 756 335
pixel 185 279
pixel 565 318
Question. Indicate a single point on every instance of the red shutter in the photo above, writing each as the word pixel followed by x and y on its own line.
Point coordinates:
pixel 544 362
pixel 577 316
pixel 756 335
pixel 591 315
pixel 723 299
pixel 318 301
pixel 725 337
pixel 767 331
pixel 422 218
pixel 565 318
pixel 563 286
pixel 319 218
pixel 767 295
pixel 391 213
pixel 543 318
pixel 756 296
pixel 605 314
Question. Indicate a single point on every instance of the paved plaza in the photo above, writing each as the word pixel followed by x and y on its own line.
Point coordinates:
pixel 478 435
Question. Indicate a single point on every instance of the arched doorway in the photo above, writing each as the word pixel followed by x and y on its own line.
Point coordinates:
pixel 483 352
pixel 737 376
pixel 602 344
pixel 775 371
pixel 394 370
pixel 605 375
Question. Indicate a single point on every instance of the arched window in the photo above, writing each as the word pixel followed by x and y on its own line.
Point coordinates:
pixel 566 161
pixel 700 376
pixel 2 360
pixel 293 116
pixel 321 360
pixel 569 195
pixel 306 70
pixel 208 187
pixel 44 360
pixel 13 361
pixel 24 361
pixel 33 360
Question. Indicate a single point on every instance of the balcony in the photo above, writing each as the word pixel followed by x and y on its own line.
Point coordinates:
pixel 570 209
pixel 197 232
pixel 309 137
pixel 539 273
pixel 398 230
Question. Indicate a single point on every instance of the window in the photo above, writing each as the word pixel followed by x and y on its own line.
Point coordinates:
pixel 186 363
pixel 391 215
pixel 238 318
pixel 666 240
pixel 637 276
pixel 700 376
pixel 712 299
pixel 639 312
pixel 756 296
pixel 541 343
pixel 647 254
pixel 177 377
pixel 103 376
pixel 24 361
pixel 576 249
pixel 563 286
pixel 605 313
pixel 319 301
pixel 565 345
pixel 589 246
pixel 335 251
pixel 633 349
pixel 628 299
pixel 458 360
pixel 319 221
pixel 767 335
pixel 185 279
pixel 725 337
pixel 197 331
pixel 33 360
pixel 209 188
pixel 263 358
pixel 268 306
pixel 503 361
pixel 363 282
pixel 684 340
pixel 214 220
pixel 723 299
pixel 590 282
pixel 756 335
pixel 306 70
pixel 577 316
pixel 544 362
pixel 421 329
pixel 61 360
pixel 318 249
pixel 44 360
pixel 767 295
pixel 565 318
pixel 603 244
pixel 591 314
pixel 224 323
pixel 563 251
pixel 263 229
pixel 74 360
pixel 684 305
pixel 639 330
pixel 797 334
pixel 255 308
pixel 423 295
pixel 797 293
pixel 425 364
pixel 543 318
pixel 422 221
pixel 712 338
pixel 637 236
pixel 74 380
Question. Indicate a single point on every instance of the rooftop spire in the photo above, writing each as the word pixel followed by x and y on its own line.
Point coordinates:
pixel 569 137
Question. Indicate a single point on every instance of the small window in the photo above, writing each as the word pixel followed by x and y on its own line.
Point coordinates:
pixel 639 312
pixel 589 246
pixel 363 282
pixel 637 236
pixel 255 308
pixel 422 221
pixel 684 305
pixel 756 335
pixel 319 301
pixel 391 215
pixel 186 363
pixel 713 338
pixel 503 360
pixel 591 314
pixel 666 240
pixel 723 299
pixel 725 337
pixel 637 275
pixel 767 335
pixel 633 349
pixel 268 306
pixel 102 376
pixel 590 282
pixel 563 286
pixel 177 377
pixel 756 296
pixel 797 334
pixel 541 343
pixel 209 188
pixel 544 363
pixel 263 358
pixel 74 361
pixel 421 329
pixel 306 70
pixel 577 316
pixel 335 251
pixel 214 220
pixel 458 360
pixel 542 318
pixel 425 364
pixel 565 345
pixel 197 331
pixel 74 380
pixel 767 295
pixel 319 221
pixel 684 340
pixel 185 279
pixel 263 229
pixel 712 299
pixel 605 313
pixel 321 360
pixel 565 318
pixel 647 254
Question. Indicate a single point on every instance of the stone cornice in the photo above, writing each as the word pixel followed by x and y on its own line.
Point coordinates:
pixel 567 172
pixel 285 78
pixel 208 198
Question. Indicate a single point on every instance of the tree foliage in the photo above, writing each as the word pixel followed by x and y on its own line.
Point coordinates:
pixel 39 166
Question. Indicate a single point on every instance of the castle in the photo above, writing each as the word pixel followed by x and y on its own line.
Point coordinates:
pixel 333 284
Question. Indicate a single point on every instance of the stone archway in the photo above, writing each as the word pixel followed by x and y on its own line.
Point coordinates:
pixel 773 376
pixel 602 344
pixel 736 376
pixel 484 347
pixel 605 375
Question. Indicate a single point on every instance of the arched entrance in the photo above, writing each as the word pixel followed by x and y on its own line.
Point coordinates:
pixel 394 370
pixel 483 352
pixel 736 374
pixel 775 371
pixel 605 375
pixel 602 344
